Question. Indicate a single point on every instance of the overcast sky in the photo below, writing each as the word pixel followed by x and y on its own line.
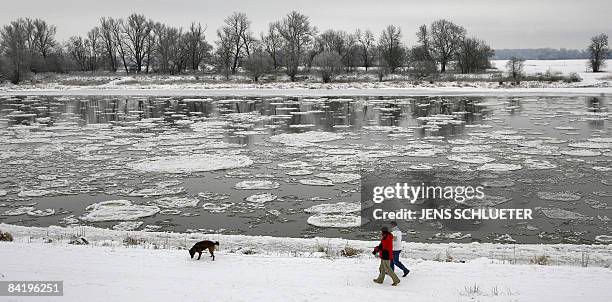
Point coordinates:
pixel 504 24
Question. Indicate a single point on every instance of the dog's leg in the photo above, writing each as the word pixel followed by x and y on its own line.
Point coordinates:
pixel 212 254
pixel 199 255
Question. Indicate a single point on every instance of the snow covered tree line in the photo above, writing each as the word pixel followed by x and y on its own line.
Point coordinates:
pixel 291 45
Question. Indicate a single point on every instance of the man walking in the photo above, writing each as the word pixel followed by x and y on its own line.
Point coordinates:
pixel 397 248
pixel 385 251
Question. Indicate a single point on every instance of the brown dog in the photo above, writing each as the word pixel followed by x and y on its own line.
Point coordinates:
pixel 203 245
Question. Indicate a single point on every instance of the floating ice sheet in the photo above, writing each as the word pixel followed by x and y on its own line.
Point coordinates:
pixel 117 210
pixel 191 163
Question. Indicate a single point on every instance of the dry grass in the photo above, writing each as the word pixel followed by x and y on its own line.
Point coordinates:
pixel 540 260
pixel 131 241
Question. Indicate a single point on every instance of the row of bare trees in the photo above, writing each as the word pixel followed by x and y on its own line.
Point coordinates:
pixel 291 45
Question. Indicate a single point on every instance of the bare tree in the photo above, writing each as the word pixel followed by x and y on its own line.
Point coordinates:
pixel 79 52
pixel 108 41
pixel 328 64
pixel 238 26
pixel 116 28
pixel 44 37
pixel 424 46
pixel 391 49
pixel 14 49
pixel 93 48
pixel 366 46
pixel 136 29
pixel 473 55
pixel 420 63
pixel 167 49
pixel 515 68
pixel 272 43
pixel 224 53
pixel 444 40
pixel 340 42
pixel 197 46
pixel 297 35
pixel 257 64
pixel 598 52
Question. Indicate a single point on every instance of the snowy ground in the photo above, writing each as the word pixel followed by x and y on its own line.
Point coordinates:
pixel 351 84
pixel 558 254
pixel 103 273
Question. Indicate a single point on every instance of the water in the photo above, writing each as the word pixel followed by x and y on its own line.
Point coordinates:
pixel 66 153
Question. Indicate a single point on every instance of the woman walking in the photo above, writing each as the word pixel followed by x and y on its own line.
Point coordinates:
pixel 397 249
pixel 385 252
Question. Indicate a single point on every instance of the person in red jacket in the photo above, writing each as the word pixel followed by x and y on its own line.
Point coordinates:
pixel 385 252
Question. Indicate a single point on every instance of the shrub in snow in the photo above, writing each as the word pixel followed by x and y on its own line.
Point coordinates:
pixel 540 260
pixel 348 251
pixel 6 236
pixel 131 241
pixel 258 64
pixel 78 240
pixel 328 64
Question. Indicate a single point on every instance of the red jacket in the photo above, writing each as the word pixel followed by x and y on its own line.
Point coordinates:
pixel 385 248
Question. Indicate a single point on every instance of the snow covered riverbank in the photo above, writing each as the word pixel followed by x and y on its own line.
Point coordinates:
pixel 115 272
pixel 312 92
pixel 558 254
pixel 357 84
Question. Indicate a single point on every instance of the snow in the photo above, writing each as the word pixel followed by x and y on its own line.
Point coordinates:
pixel 95 272
pixel 191 163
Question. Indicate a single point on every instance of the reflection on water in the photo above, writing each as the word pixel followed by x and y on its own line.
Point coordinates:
pixel 62 154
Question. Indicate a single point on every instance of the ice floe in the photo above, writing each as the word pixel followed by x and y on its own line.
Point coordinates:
pixel 316 182
pixel 159 191
pixel 257 185
pixel 117 210
pixel 175 202
pixel 329 208
pixel 556 213
pixel 581 152
pixel 559 196
pixel 499 167
pixel 216 207
pixel 127 225
pixel 538 164
pixel 309 138
pixel 191 163
pixel 261 198
pixel 339 177
pixel 41 212
pixel 34 193
pixel 334 221
pixel 471 158
pixel 18 211
pixel 300 172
